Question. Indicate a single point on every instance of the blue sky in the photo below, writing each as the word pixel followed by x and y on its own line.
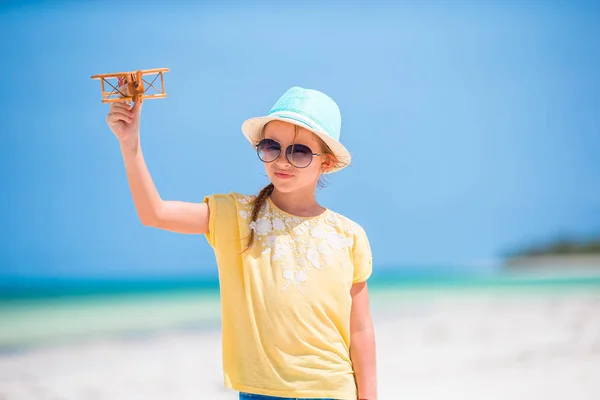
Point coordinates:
pixel 474 126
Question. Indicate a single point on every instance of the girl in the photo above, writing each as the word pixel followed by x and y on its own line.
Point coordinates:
pixel 295 305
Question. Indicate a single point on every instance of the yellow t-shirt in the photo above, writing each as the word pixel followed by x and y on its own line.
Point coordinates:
pixel 286 302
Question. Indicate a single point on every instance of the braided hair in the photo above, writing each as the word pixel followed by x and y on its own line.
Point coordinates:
pixel 258 204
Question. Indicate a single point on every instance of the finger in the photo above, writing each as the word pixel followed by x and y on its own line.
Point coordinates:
pixel 119 105
pixel 137 107
pixel 123 112
pixel 119 116
pixel 117 121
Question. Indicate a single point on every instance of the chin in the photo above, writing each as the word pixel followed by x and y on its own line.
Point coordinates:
pixel 291 185
pixel 284 187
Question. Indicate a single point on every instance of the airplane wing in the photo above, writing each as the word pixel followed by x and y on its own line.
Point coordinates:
pixel 119 74
pixel 118 91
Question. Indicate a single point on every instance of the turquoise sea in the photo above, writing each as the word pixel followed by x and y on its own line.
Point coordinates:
pixel 58 311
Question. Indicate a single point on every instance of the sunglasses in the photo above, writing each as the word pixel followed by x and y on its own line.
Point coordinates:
pixel 299 155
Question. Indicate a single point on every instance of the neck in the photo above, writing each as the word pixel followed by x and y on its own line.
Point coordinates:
pixel 299 203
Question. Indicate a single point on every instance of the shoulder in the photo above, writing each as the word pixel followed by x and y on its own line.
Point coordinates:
pixel 349 225
pixel 357 240
pixel 228 213
pixel 243 199
pixel 233 198
pixel 230 204
pixel 350 228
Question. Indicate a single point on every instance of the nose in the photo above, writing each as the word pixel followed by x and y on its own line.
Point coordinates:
pixel 282 161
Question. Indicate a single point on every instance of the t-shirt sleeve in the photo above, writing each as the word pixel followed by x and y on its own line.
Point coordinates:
pixel 361 257
pixel 222 222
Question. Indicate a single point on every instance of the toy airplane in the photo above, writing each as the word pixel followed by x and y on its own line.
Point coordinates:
pixel 130 85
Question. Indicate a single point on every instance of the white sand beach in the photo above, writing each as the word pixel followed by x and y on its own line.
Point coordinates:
pixel 467 344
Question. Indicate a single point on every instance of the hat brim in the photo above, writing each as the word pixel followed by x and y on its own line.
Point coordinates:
pixel 252 127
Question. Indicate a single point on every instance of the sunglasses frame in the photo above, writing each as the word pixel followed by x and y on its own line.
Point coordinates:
pixel 286 153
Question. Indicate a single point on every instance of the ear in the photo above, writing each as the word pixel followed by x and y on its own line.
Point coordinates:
pixel 328 163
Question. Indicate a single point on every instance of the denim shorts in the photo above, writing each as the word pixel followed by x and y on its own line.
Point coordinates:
pixel 251 396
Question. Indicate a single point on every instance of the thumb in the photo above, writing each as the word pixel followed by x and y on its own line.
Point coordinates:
pixel 137 107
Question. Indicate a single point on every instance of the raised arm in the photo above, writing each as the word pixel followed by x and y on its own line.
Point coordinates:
pixel 175 216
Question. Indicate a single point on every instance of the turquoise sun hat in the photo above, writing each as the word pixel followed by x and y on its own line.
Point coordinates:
pixel 309 109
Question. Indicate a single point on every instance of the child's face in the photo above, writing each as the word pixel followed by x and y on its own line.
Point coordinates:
pixel 285 176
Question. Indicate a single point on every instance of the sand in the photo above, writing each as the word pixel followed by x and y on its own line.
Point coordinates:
pixel 488 344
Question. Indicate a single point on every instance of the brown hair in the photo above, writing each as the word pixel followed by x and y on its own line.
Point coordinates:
pixel 262 196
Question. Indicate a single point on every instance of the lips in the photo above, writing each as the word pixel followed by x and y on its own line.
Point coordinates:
pixel 283 175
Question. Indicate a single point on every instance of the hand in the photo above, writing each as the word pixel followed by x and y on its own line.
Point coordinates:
pixel 124 122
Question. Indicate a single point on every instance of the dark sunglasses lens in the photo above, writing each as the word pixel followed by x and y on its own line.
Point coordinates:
pixel 268 150
pixel 299 155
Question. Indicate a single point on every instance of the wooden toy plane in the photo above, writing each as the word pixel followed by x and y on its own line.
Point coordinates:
pixel 130 85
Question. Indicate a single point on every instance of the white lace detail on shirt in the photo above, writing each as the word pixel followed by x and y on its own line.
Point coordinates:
pixel 299 247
